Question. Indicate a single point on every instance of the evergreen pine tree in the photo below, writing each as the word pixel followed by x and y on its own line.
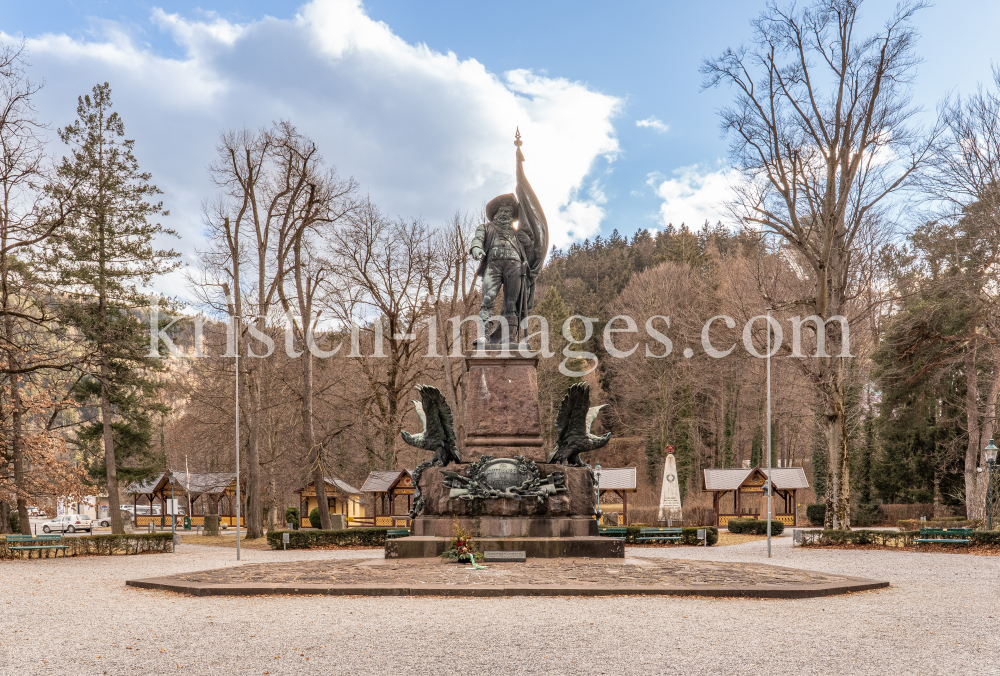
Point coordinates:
pixel 106 256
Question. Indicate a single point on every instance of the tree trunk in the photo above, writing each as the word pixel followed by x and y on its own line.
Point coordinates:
pixel 974 487
pixel 5 517
pixel 109 455
pixel 17 451
pixel 314 451
pixel 272 507
pixel 838 467
pixel 254 514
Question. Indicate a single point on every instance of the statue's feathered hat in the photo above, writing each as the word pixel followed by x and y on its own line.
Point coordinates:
pixel 508 200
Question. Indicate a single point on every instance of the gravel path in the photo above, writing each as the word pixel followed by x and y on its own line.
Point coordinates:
pixel 940 617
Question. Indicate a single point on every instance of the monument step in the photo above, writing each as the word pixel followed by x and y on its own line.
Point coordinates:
pixel 417 547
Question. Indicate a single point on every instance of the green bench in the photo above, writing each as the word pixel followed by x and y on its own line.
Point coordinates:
pixel 672 535
pixel 943 536
pixel 612 531
pixel 27 543
pixel 394 533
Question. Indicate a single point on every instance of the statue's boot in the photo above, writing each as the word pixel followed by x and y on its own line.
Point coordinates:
pixel 514 332
pixel 494 337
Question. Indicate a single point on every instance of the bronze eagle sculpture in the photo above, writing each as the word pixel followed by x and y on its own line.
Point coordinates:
pixel 438 434
pixel 576 415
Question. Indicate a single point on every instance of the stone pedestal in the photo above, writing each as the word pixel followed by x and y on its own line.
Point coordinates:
pixel 579 499
pixel 534 548
pixel 507 526
pixel 502 420
pixel 502 417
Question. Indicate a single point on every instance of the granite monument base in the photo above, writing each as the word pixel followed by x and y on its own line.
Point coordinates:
pixel 502 408
pixel 503 526
pixel 578 499
pixel 422 547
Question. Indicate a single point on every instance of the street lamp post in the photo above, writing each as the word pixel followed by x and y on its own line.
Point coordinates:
pixel 769 486
pixel 236 328
pixel 173 516
pixel 990 453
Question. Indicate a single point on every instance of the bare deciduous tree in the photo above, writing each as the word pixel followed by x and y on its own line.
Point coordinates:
pixel 381 266
pixel 964 182
pixel 820 129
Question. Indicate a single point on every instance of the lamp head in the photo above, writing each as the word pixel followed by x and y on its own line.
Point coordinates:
pixel 990 452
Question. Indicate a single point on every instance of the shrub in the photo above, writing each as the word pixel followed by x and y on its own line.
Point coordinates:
pixel 885 538
pixel 14 520
pixel 986 538
pixel 690 536
pixel 755 527
pixel 292 517
pixel 314 519
pixel 306 539
pixel 816 514
pixel 945 522
pixel 105 545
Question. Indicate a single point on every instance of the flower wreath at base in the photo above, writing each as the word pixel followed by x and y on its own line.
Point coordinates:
pixel 462 547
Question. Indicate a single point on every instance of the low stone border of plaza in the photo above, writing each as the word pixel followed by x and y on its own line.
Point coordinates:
pixel 99 545
pixel 844 586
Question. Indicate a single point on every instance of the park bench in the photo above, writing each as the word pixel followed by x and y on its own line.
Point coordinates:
pixel 394 533
pixel 660 535
pixel 27 543
pixel 612 532
pixel 943 536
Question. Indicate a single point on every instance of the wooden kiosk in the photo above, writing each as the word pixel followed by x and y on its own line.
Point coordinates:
pixel 343 499
pixel 392 498
pixel 198 494
pixel 739 493
pixel 615 485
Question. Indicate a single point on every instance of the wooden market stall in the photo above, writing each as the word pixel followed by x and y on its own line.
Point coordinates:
pixel 342 497
pixel 391 497
pixel 739 493
pixel 199 494
pixel 615 485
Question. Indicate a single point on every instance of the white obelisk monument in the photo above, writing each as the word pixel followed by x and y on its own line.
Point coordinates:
pixel 670 493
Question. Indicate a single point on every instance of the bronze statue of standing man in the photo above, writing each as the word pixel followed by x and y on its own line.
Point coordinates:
pixel 510 257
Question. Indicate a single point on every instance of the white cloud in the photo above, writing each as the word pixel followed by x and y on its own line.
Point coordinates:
pixel 653 123
pixel 694 195
pixel 425 133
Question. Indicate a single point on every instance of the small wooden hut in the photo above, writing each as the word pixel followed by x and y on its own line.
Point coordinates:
pixel 342 497
pixel 739 493
pixel 615 485
pixel 198 494
pixel 391 498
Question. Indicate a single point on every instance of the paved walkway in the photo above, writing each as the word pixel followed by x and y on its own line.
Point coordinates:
pixel 941 616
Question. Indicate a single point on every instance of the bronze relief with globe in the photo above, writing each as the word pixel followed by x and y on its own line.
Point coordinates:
pixel 504 488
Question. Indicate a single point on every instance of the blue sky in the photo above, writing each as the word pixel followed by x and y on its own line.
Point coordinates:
pixel 419 100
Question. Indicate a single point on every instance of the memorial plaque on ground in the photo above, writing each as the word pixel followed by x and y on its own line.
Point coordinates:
pixel 504 557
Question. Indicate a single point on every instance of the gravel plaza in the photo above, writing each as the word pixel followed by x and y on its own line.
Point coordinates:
pixel 939 616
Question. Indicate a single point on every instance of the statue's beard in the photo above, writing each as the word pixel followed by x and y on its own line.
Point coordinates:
pixel 505 222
